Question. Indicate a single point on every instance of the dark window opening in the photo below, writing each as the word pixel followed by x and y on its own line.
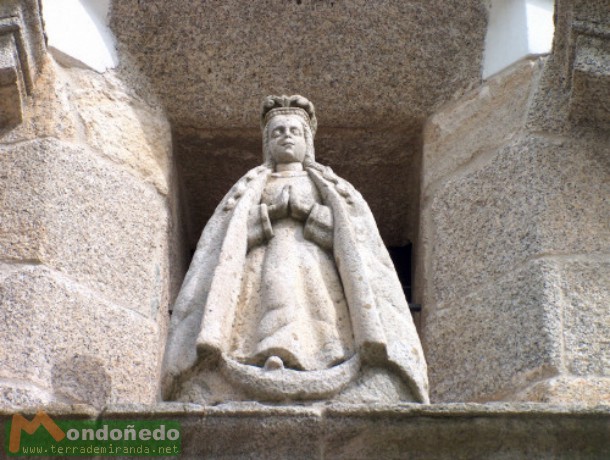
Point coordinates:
pixel 402 259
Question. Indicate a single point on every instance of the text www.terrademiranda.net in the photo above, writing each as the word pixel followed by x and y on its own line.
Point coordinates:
pixel 99 450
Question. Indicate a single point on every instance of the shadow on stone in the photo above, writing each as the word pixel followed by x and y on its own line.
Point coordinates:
pixel 81 379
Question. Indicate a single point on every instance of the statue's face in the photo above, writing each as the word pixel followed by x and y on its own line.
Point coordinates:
pixel 286 139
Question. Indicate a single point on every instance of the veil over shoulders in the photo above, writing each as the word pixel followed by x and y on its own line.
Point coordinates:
pixel 204 312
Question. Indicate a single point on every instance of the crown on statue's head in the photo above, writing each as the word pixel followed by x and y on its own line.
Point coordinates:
pixel 289 105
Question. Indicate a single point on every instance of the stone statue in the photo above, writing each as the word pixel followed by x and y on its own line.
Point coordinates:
pixel 291 294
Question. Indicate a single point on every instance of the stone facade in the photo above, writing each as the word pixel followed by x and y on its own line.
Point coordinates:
pixel 514 233
pixel 501 185
pixel 88 248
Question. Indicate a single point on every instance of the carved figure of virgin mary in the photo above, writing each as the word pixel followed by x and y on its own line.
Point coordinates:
pixel 291 293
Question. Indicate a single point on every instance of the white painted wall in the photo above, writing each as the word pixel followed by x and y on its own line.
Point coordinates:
pixel 540 27
pixel 78 33
pixel 517 29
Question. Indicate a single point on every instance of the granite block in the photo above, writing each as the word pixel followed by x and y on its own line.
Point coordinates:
pixel 499 338
pixel 69 344
pixel 538 195
pixel 585 288
pixel 482 120
pixel 65 207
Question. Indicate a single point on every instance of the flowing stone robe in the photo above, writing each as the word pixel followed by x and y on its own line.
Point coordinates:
pixel 207 310
pixel 292 303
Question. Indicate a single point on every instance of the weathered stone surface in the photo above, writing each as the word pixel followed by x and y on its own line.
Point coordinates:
pixel 482 120
pixel 89 198
pixel 587 26
pixel 385 168
pixel 83 107
pixel 11 91
pixel 31 32
pixel 535 196
pixel 588 390
pixel 48 112
pixel 464 432
pixel 491 342
pixel 66 342
pixel 358 59
pixel 287 433
pixel 585 286
pixel 486 293
pixel 22 50
pixel 375 72
pixel 573 91
pixel 457 431
pixel 123 127
pixel 208 167
pixel 16 393
pixel 65 207
pixel 515 238
pixel 445 153
pixel 589 101
pixel 100 111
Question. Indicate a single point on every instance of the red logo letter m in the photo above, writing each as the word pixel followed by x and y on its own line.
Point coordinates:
pixel 20 423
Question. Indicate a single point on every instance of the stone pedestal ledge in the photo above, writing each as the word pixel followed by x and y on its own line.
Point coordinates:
pixel 441 431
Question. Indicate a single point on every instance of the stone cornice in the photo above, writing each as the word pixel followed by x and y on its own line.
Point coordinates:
pixel 440 431
pixel 22 49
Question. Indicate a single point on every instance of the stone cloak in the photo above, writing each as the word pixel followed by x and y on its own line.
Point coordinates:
pixel 203 314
